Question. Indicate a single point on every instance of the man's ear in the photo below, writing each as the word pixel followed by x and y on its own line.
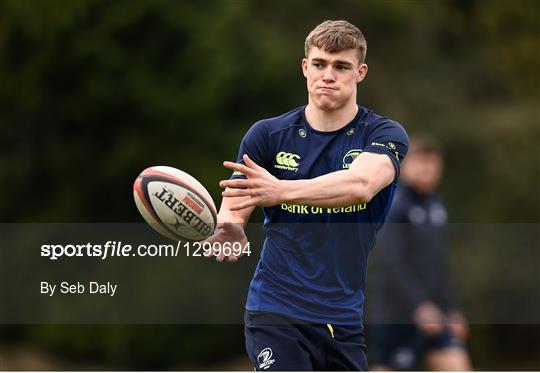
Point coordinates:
pixel 304 66
pixel 362 72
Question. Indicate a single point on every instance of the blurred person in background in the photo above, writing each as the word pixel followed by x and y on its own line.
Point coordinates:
pixel 414 313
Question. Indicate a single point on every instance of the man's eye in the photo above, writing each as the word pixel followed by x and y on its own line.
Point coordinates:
pixel 342 68
pixel 318 65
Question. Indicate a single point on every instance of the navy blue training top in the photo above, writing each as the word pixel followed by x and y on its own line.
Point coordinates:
pixel 314 260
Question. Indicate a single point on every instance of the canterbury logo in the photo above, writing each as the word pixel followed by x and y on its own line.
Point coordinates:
pixel 287 161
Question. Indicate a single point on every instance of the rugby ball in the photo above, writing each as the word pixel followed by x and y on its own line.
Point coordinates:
pixel 175 204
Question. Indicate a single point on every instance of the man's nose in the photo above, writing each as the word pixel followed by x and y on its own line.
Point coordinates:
pixel 328 75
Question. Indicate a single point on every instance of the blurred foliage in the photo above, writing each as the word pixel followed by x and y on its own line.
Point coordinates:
pixel 94 91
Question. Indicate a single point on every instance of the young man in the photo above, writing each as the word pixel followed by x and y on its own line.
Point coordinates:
pixel 325 174
pixel 411 300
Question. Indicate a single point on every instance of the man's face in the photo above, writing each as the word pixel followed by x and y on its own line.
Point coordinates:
pixel 423 171
pixel 332 77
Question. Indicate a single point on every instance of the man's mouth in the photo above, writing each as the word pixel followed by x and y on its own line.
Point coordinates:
pixel 327 88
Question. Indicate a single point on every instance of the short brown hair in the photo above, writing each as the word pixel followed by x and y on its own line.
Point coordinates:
pixel 335 36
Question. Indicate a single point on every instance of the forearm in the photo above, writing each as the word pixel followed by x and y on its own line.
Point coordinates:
pixel 226 215
pixel 367 175
pixel 341 188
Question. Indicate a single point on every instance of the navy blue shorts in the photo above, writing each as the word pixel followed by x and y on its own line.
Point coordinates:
pixel 278 342
pixel 403 346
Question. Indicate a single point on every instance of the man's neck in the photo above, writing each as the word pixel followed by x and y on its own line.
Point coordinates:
pixel 322 120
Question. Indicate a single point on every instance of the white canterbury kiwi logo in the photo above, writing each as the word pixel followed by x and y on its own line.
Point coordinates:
pixel 287 161
pixel 265 358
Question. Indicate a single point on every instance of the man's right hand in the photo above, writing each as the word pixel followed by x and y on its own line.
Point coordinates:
pixel 458 325
pixel 429 318
pixel 227 232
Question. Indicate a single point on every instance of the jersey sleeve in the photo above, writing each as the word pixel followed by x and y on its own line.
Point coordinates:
pixel 390 138
pixel 255 144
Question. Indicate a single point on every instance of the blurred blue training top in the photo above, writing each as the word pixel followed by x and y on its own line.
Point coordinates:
pixel 314 260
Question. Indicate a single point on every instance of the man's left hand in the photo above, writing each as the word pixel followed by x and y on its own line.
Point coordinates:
pixel 263 188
